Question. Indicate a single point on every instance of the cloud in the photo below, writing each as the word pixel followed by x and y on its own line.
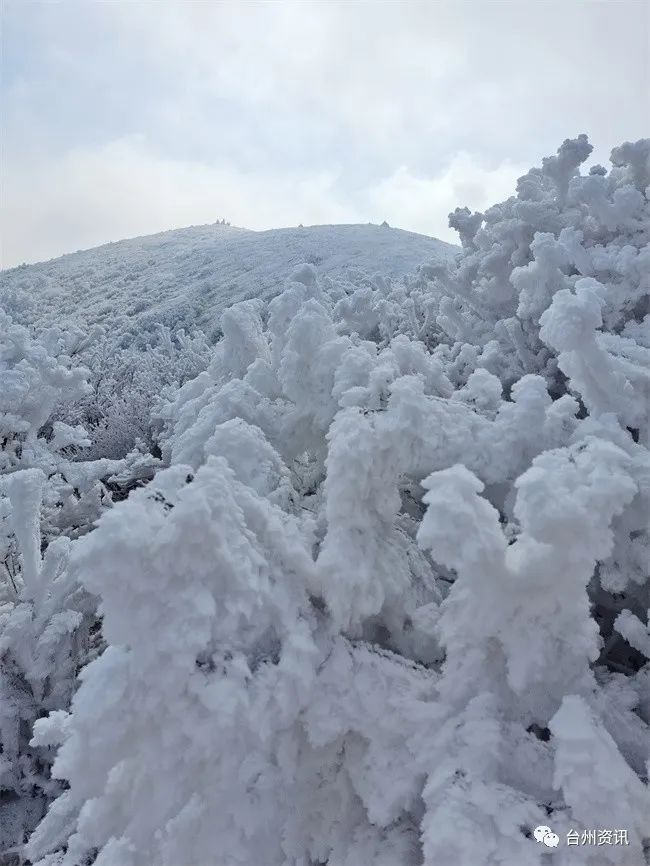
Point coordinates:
pixel 124 118
pixel 422 204
pixel 125 189
pixel 421 80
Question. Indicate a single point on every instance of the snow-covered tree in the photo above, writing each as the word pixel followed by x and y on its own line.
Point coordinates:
pixel 48 495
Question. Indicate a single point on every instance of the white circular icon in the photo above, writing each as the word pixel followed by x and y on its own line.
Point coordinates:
pixel 547 836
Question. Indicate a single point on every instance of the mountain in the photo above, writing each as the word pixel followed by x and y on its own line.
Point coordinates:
pixel 185 278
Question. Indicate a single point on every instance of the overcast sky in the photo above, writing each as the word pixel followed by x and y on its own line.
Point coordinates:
pixel 129 117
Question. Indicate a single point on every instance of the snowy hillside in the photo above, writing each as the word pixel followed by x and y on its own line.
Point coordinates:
pixel 186 278
pixel 352 572
pixel 164 295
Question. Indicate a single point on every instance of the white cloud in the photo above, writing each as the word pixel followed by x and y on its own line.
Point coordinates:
pixel 410 76
pixel 124 118
pixel 124 189
pixel 422 204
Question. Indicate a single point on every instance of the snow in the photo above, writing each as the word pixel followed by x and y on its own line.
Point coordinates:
pixel 187 277
pixel 344 564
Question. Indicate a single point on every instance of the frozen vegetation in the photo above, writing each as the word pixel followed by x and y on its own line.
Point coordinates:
pixel 329 546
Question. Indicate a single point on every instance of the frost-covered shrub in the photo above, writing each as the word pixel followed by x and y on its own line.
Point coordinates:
pixel 36 378
pixel 48 496
pixel 38 625
pixel 45 623
pixel 40 380
pixel 126 383
pixel 387 602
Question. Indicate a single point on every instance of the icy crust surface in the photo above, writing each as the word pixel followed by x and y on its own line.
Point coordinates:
pixel 370 585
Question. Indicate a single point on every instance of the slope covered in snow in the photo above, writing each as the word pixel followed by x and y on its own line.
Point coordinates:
pixel 186 278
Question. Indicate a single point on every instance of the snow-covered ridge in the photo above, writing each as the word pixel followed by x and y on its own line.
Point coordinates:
pixel 187 277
